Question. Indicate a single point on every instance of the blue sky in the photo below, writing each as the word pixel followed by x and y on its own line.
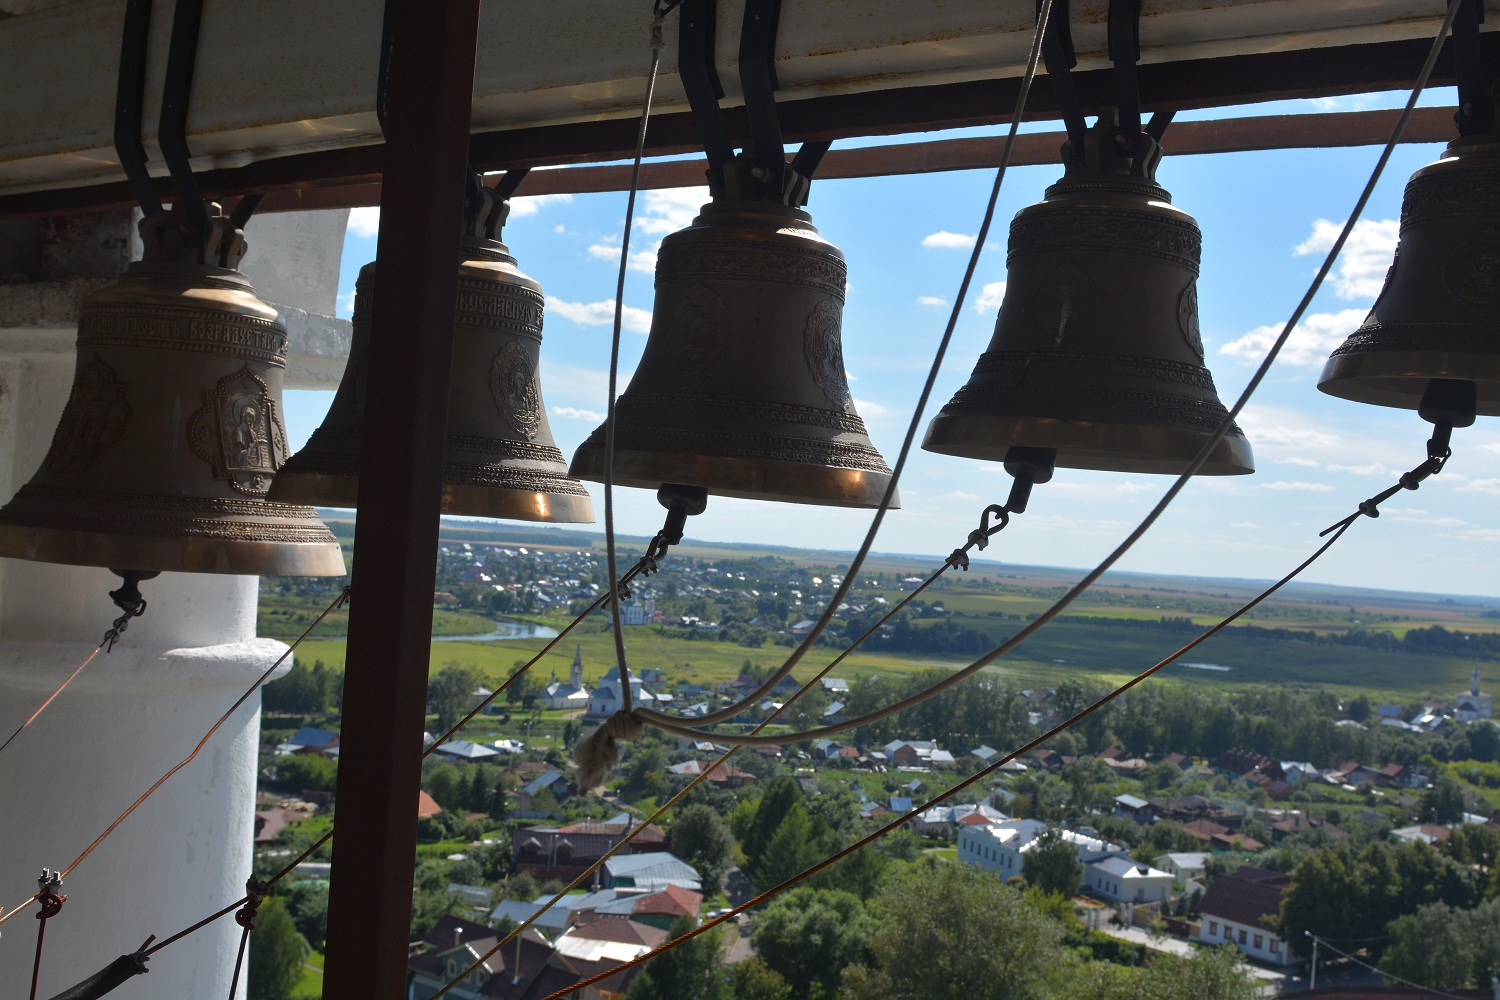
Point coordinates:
pixel 1267 219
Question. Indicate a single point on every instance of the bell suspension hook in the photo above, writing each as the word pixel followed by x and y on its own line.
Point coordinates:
pixel 1029 467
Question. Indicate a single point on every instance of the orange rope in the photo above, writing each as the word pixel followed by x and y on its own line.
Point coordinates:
pixel 967 782
pixel 43 707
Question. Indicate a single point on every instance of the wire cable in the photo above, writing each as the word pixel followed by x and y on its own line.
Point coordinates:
pixel 1405 982
pixel 658 44
pixel 663 721
pixel 967 782
pixel 681 727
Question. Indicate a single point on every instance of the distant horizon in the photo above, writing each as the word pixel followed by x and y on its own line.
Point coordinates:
pixel 991 565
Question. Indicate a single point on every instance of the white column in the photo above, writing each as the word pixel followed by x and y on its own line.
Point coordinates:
pixel 129 717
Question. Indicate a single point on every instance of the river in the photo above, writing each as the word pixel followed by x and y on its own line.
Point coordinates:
pixel 504 630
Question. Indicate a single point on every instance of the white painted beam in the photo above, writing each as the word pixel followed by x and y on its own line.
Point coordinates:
pixel 287 76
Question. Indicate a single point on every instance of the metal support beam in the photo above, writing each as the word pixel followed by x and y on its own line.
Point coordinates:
pixel 390 624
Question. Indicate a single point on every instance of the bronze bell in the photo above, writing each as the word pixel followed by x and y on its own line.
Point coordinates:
pixel 1096 350
pixel 741 389
pixel 1438 316
pixel 501 460
pixel 169 439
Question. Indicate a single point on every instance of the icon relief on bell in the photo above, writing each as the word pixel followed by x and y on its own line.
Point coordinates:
pixel 1472 271
pixel 1187 318
pixel 94 420
pixel 825 355
pixel 239 433
pixel 514 390
pixel 1065 303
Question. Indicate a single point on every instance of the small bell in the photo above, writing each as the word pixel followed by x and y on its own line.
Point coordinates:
pixel 741 389
pixel 169 439
pixel 501 460
pixel 1438 316
pixel 1096 350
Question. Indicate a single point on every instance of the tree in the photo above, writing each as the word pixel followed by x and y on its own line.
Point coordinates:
pixel 753 979
pixel 953 932
pixel 1443 803
pixel 797 845
pixel 701 839
pixel 276 953
pixel 1052 864
pixel 809 935
pixel 450 693
pixel 1446 948
pixel 305 771
pixel 755 828
pixel 692 970
pixel 1209 972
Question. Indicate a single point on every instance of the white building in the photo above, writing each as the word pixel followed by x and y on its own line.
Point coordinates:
pixel 1237 907
pixel 1002 846
pixel 1472 705
pixel 571 695
pixel 606 698
pixel 1183 866
pixel 1122 880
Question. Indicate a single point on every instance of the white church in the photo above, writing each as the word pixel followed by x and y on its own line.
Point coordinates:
pixel 571 695
pixel 1472 705
pixel 605 701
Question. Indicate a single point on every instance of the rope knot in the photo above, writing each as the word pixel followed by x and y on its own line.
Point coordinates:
pixel 658 38
pixel 255 894
pixel 598 752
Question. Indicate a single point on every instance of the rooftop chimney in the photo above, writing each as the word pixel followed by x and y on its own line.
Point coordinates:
pixel 458 936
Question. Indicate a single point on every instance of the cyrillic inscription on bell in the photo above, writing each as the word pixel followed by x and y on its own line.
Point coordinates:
pixel 1096 351
pixel 741 389
pixel 172 431
pixel 1438 315
pixel 501 460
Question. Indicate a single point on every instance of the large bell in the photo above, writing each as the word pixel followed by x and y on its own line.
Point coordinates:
pixel 741 389
pixel 1096 350
pixel 501 460
pixel 1438 315
pixel 173 429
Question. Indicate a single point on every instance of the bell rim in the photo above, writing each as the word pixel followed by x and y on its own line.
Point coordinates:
pixel 1398 379
pixel 172 553
pixel 784 482
pixel 331 489
pixel 1098 446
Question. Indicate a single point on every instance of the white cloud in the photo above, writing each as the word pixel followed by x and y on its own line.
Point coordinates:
pixel 850 376
pixel 1483 534
pixel 1280 427
pixel 1302 486
pixel 364 221
pixel 931 300
pixel 345 307
pixel 1247 525
pixel 559 229
pixel 1311 341
pixel 600 314
pixel 1298 460
pixel 663 212
pixel 990 297
pixel 1367 254
pixel 1481 486
pixel 959 495
pixel 868 409
pixel 1133 487
pixel 1493 448
pixel 1372 469
pixel 946 240
pixel 640 260
pixel 574 413
pixel 529 205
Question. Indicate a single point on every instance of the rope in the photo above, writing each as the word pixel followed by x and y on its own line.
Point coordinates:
pixel 1372 968
pixel 962 785
pixel 111 636
pixel 52 902
pixel 657 718
pixel 255 894
pixel 658 44
pixel 337 603
pixel 671 724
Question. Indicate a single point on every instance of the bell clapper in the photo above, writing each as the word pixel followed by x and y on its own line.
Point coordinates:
pixel 1447 403
pixel 1029 467
pixel 129 600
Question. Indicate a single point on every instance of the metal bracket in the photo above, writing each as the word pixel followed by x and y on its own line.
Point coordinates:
pixel 129 96
pixel 695 66
pixel 1476 101
pixel 182 55
pixel 1059 56
pixel 1125 52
